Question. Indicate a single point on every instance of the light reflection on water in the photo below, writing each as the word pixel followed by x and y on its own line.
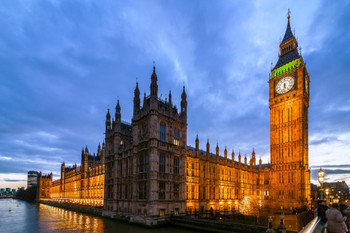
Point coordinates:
pixel 32 218
pixel 53 219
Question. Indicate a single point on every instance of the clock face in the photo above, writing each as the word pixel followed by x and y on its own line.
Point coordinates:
pixel 284 85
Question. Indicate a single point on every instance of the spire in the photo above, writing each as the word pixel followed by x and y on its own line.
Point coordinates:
pixel 253 154
pixel 233 155
pixel 99 150
pixel 197 144
pixel 144 100
pixel 117 112
pixel 288 35
pixel 154 85
pixel 208 148
pixel 137 99
pixel 288 47
pixel 183 95
pixel 86 150
pixel 225 153
pixel 170 104
pixel 184 102
pixel 217 151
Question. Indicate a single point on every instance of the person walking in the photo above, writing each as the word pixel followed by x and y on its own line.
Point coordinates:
pixel 321 210
pixel 336 221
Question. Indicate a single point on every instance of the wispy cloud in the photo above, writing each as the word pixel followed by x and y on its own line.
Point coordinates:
pixel 63 63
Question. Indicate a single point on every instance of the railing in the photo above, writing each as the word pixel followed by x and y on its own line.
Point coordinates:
pixel 314 226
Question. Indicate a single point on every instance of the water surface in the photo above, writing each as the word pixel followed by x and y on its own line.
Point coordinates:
pixel 26 217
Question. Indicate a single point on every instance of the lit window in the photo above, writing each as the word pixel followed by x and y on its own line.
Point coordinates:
pixel 176 136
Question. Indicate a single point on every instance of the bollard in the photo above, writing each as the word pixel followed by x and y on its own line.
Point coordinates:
pixel 270 229
pixel 281 228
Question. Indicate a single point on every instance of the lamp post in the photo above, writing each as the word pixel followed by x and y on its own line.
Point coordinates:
pixel 321 174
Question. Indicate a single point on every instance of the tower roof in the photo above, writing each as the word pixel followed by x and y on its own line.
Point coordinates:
pixel 288 35
pixel 288 47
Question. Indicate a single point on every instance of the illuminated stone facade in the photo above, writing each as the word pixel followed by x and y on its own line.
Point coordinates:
pixel 289 143
pixel 150 171
pixel 82 185
pixel 142 177
pixel 145 158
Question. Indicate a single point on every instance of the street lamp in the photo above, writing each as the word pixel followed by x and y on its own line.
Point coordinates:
pixel 321 174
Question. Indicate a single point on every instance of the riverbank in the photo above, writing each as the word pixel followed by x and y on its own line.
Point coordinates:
pixel 208 225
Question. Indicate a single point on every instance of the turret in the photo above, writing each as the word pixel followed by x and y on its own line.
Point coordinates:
pixel 245 160
pixel 217 152
pixel 239 158
pixel 208 149
pixel 253 158
pixel 63 167
pixel 184 103
pixel 108 120
pixel 117 113
pixel 154 90
pixel 84 163
pixel 225 154
pixel 233 156
pixel 260 164
pixel 137 99
pixel 197 145
pixel 99 151
pixel 144 100
pixel 154 85
pixel 82 156
pixel 170 101
pixel 103 152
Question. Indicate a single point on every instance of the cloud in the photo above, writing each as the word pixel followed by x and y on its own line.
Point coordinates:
pixel 63 63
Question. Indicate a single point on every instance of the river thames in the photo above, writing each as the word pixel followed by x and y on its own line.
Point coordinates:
pixel 26 217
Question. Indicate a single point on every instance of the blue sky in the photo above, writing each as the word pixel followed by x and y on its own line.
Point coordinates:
pixel 62 63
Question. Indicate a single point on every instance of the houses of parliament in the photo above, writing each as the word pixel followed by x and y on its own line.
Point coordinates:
pixel 146 168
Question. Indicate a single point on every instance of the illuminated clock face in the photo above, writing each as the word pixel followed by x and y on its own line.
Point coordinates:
pixel 284 85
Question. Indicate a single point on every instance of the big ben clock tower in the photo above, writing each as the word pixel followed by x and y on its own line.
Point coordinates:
pixel 289 103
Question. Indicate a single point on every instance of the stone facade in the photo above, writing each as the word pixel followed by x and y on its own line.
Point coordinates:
pixel 145 158
pixel 82 185
pixel 145 167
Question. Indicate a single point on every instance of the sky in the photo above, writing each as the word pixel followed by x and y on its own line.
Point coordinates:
pixel 63 63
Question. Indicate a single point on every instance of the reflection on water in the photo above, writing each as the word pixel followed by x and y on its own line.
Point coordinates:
pixel 53 219
pixel 25 217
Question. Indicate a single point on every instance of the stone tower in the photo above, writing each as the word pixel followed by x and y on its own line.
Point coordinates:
pixel 289 103
pixel 145 158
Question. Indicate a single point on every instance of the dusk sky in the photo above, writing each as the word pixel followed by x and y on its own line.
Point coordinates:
pixel 62 63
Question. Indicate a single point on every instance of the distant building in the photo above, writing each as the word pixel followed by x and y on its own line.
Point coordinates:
pixel 336 191
pixel 81 185
pixel 32 180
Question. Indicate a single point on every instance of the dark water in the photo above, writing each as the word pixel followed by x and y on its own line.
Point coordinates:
pixel 25 217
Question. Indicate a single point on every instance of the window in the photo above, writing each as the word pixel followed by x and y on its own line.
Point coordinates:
pixel 162 163
pixel 143 190
pixel 144 131
pixel 161 212
pixel 161 190
pixel 176 165
pixel 176 191
pixel 126 192
pixel 176 136
pixel 162 131
pixel 143 163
